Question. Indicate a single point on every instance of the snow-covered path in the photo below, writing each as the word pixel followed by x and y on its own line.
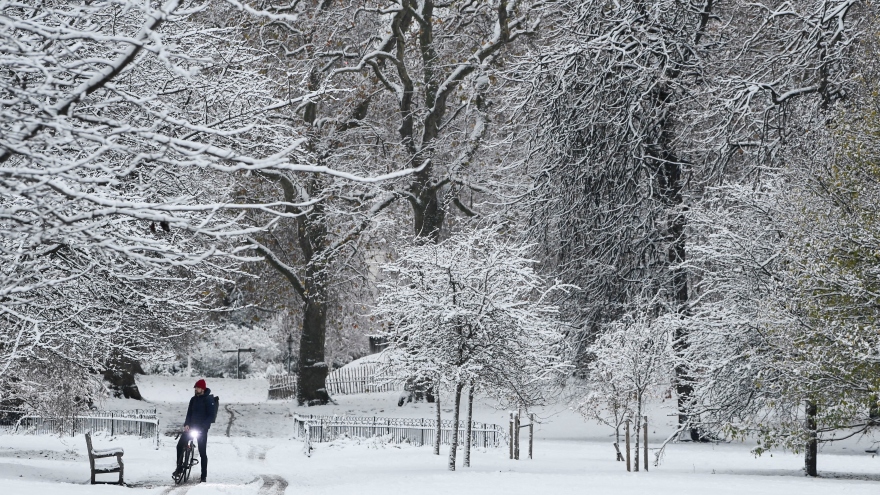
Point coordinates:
pixel 259 458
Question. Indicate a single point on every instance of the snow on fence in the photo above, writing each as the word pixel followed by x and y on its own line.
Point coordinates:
pixel 360 379
pixel 282 386
pixel 314 429
pixel 140 422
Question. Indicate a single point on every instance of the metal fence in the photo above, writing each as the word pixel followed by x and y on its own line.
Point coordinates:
pixel 139 422
pixel 415 431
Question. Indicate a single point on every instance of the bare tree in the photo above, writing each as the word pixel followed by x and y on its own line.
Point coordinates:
pixel 472 310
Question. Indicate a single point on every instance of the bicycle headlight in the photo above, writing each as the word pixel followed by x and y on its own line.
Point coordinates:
pixel 194 433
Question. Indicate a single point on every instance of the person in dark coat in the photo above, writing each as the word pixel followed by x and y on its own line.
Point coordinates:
pixel 199 415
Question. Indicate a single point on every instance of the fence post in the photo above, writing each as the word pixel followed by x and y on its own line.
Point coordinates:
pixel 646 443
pixel 511 435
pixel 627 445
pixel 112 424
pixel 531 432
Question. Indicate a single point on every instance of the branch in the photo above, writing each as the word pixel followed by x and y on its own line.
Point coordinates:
pixel 103 76
pixel 284 269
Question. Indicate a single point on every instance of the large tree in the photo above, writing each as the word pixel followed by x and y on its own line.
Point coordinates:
pixel 388 86
pixel 643 105
pixel 123 128
pixel 785 334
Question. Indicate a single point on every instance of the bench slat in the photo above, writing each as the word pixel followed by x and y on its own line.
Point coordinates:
pixel 107 467
pixel 107 452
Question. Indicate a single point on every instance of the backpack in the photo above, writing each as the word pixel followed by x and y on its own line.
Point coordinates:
pixel 215 406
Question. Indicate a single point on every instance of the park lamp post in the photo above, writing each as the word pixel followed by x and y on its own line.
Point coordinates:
pixel 238 367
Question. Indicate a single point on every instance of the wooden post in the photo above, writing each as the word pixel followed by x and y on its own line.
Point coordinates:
pixel 511 435
pixel 646 443
pixel 531 433
pixel 516 443
pixel 627 446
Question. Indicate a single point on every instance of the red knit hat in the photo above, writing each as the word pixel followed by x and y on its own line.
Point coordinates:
pixel 201 384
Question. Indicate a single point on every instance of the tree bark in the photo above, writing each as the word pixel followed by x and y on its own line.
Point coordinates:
pixel 470 425
pixel 453 448
pixel 312 237
pixel 437 433
pixel 637 430
pixel 812 450
pixel 312 368
pixel 668 171
pixel 428 213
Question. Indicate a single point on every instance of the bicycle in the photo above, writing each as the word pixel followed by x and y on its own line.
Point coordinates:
pixel 189 459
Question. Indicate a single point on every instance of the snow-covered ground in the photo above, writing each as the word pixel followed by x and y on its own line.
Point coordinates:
pixel 259 457
pixel 158 389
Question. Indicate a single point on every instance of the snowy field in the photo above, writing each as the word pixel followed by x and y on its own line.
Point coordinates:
pixel 251 452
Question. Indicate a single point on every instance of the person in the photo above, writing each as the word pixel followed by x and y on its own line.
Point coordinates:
pixel 202 411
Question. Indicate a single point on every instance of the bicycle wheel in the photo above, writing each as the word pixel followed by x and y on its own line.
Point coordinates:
pixel 187 463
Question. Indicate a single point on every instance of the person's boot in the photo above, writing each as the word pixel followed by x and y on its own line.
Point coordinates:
pixel 203 479
pixel 177 472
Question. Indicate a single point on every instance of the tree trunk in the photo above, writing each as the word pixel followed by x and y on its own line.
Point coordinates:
pixel 428 213
pixel 312 237
pixel 437 436
pixel 312 368
pixel 470 425
pixel 811 451
pixel 668 173
pixel 637 429
pixel 453 448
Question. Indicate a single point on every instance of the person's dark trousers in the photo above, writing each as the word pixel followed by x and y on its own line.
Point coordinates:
pixel 202 443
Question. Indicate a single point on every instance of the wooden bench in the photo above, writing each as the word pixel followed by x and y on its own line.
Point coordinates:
pixel 105 467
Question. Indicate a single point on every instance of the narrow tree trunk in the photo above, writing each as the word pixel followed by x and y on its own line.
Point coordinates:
pixel 453 449
pixel 637 430
pixel 811 451
pixel 437 437
pixel 470 426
